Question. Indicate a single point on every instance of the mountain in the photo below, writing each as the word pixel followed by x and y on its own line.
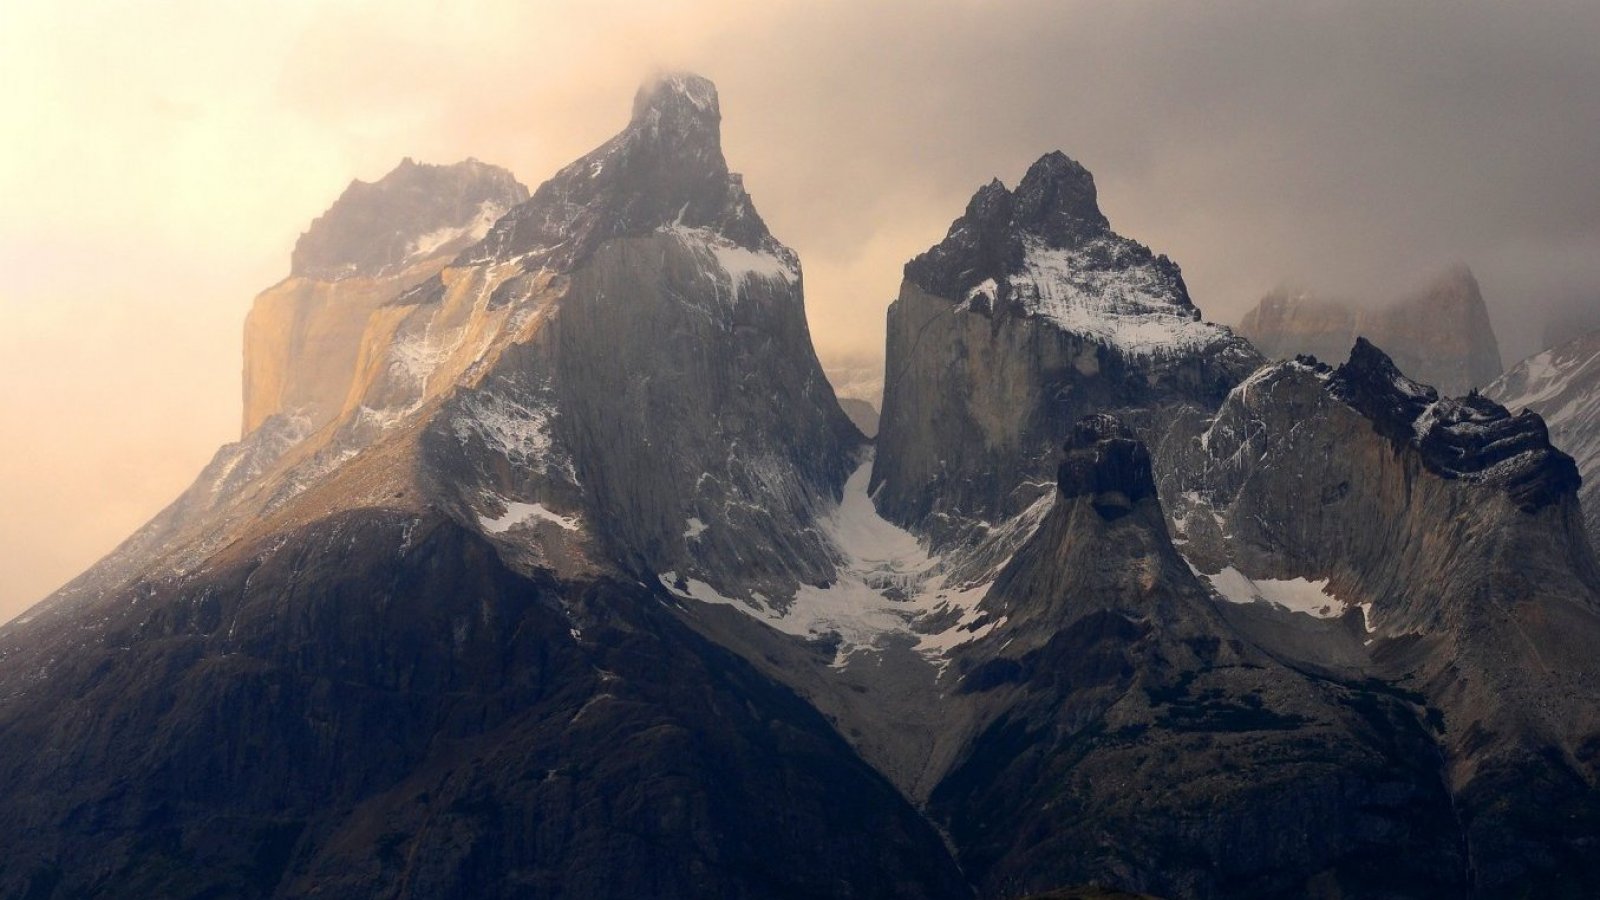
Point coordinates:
pixel 1562 385
pixel 1029 314
pixel 1356 524
pixel 858 382
pixel 1256 626
pixel 587 586
pixel 424 651
pixel 1439 335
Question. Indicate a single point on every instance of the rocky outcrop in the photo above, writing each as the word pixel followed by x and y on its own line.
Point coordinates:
pixel 302 335
pixel 1028 315
pixel 1357 524
pixel 1562 385
pixel 1129 735
pixel 1439 335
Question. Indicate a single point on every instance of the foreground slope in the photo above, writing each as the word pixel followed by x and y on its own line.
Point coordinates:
pixel 1134 737
pixel 376 706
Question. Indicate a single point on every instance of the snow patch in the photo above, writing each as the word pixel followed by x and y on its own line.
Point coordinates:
pixel 1129 307
pixel 737 264
pixel 519 431
pixel 425 245
pixel 889 589
pixel 1301 595
pixel 518 513
pixel 693 528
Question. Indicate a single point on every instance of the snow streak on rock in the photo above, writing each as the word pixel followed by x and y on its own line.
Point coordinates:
pixel 890 590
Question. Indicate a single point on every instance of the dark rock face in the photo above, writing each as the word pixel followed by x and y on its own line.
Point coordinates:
pixel 1106 463
pixel 1562 385
pixel 1055 204
pixel 1473 437
pixel 1133 738
pixel 1439 335
pixel 674 375
pixel 377 707
pixel 1030 314
pixel 376 227
pixel 1461 544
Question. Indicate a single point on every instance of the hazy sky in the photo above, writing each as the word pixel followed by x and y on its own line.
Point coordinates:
pixel 158 158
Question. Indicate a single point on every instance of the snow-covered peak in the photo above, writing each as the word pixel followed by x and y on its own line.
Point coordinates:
pixel 1045 250
pixel 1130 308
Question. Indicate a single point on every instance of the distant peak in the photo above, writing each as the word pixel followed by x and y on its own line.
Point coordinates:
pixel 1455 283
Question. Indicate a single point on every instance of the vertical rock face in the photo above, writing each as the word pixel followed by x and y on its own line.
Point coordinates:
pixel 1562 385
pixel 658 369
pixel 303 334
pixel 1029 314
pixel 1439 335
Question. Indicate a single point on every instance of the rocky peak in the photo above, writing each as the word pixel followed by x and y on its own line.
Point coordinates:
pixel 681 107
pixel 414 212
pixel 665 170
pixel 1562 385
pixel 1057 199
pixel 1107 463
pixel 1471 437
pixel 1046 248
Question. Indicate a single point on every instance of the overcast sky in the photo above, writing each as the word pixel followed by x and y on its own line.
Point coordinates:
pixel 160 157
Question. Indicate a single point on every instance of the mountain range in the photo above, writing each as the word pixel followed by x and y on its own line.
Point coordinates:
pixel 550 564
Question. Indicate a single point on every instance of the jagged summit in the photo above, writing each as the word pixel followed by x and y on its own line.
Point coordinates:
pixel 1471 437
pixel 1045 249
pixel 665 170
pixel 1029 314
pixel 1057 198
pixel 415 211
